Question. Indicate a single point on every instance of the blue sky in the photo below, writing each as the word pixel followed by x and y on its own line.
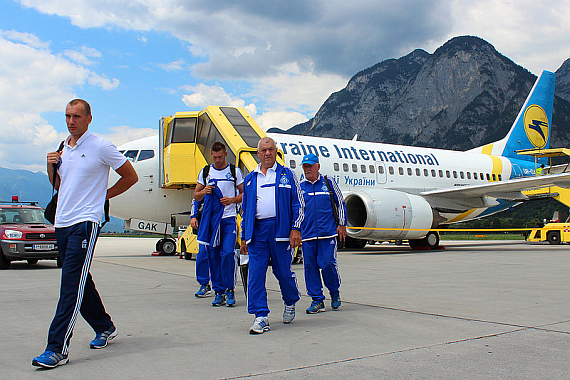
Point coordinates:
pixel 138 60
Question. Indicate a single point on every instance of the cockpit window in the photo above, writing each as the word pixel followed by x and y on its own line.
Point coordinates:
pixel 131 155
pixel 145 155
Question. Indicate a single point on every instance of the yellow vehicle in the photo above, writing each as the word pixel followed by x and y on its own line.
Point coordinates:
pixel 554 232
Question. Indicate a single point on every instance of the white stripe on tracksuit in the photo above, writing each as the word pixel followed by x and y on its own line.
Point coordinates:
pixel 84 273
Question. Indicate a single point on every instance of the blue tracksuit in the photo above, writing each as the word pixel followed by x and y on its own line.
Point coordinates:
pixel 219 236
pixel 202 267
pixel 319 236
pixel 269 239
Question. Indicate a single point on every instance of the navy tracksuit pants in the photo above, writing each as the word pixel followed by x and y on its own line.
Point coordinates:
pixel 222 258
pixel 261 248
pixel 319 257
pixel 77 291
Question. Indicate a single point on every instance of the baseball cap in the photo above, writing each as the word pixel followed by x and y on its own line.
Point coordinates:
pixel 310 159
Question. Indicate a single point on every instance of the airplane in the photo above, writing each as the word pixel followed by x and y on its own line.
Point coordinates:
pixel 405 191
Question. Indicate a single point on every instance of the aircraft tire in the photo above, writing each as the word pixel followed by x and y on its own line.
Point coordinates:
pixel 168 247
pixel 553 237
pixel 431 240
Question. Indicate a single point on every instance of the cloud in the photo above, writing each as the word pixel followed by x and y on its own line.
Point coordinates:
pixel 82 56
pixel 34 81
pixel 533 35
pixel 202 96
pixel 252 38
pixel 119 135
pixel 280 119
pixel 178 65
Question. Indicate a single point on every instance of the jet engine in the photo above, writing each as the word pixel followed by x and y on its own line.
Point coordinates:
pixel 383 208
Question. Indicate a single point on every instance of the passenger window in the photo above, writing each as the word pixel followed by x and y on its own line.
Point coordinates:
pixel 447 174
pixel 494 177
pixel 426 173
pixel 481 176
pixel 345 167
pixel 468 175
pixel 354 168
pixel 440 173
pixel 145 155
pixel 475 175
pixel 433 173
pixel 461 175
pixel 380 169
pixel 500 177
pixel 409 171
pixel 401 170
pixel 292 164
pixel 371 167
pixel 418 172
pixel 363 168
pixel 391 170
pixel 454 174
pixel 131 155
pixel 488 176
pixel 336 167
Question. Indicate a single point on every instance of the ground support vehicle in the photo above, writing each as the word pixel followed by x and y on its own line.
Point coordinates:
pixel 25 234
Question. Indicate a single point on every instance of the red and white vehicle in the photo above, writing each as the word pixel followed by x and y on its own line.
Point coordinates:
pixel 25 234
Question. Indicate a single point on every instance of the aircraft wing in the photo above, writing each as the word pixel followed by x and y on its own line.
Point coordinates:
pixel 510 189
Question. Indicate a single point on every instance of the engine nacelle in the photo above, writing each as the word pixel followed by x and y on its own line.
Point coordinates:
pixel 383 208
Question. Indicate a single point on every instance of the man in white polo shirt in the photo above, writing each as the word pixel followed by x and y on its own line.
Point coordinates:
pixel 82 175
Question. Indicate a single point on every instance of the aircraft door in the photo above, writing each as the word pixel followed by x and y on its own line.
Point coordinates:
pixel 380 172
pixel 517 171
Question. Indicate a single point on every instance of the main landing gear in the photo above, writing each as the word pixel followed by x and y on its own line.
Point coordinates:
pixel 430 241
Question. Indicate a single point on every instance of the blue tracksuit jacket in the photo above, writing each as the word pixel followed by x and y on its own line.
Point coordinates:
pixel 289 204
pixel 319 221
pixel 212 212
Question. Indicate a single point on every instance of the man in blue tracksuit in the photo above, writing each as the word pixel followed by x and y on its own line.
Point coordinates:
pixel 202 267
pixel 271 230
pixel 325 219
pixel 221 189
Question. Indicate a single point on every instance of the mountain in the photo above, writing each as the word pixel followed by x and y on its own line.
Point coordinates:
pixel 35 187
pixel 465 94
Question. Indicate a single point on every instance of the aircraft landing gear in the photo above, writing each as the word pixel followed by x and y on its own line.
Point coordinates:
pixel 430 241
pixel 166 246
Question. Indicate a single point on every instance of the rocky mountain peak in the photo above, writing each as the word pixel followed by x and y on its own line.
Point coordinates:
pixel 464 95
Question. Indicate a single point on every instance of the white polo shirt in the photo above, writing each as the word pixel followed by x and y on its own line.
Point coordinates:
pixel 84 176
pixel 225 182
pixel 265 193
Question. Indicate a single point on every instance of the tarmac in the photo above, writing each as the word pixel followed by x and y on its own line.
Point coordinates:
pixel 474 310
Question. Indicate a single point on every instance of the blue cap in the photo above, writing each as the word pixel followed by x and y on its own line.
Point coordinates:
pixel 310 159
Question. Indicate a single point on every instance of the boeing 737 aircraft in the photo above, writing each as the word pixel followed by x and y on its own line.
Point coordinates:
pixel 408 189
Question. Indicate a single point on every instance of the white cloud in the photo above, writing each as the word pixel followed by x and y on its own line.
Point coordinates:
pixel 177 65
pixel 33 81
pixel 534 35
pixel 280 119
pixel 121 134
pixel 202 96
pixel 83 56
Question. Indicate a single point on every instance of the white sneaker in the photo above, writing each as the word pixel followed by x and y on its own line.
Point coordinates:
pixel 260 325
pixel 288 314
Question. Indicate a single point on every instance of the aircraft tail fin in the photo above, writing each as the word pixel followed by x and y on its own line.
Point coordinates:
pixel 531 129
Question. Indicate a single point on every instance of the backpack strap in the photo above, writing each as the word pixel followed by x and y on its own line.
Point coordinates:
pixel 334 206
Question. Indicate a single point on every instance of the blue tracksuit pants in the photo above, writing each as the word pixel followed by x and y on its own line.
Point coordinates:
pixel 222 258
pixel 77 291
pixel 202 267
pixel 319 257
pixel 261 248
